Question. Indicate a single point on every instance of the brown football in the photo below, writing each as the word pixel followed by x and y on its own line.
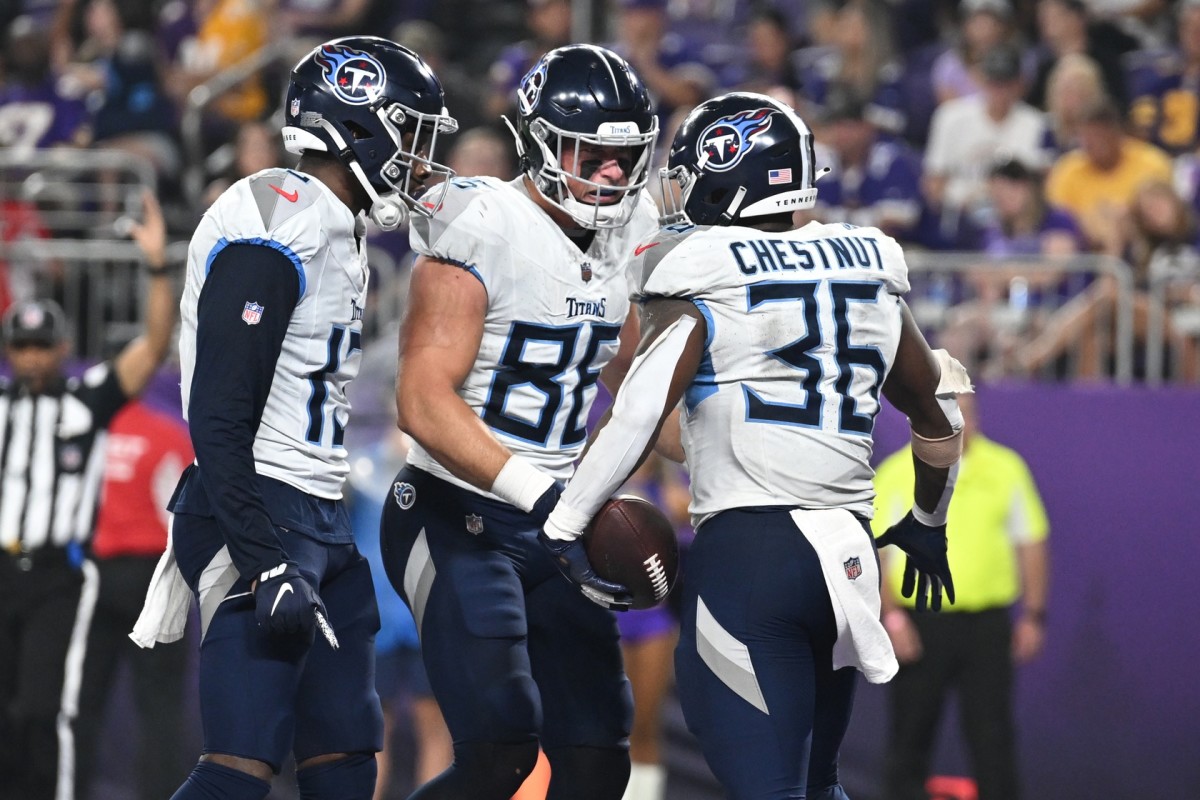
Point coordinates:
pixel 631 542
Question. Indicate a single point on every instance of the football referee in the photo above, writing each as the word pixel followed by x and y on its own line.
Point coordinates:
pixel 52 432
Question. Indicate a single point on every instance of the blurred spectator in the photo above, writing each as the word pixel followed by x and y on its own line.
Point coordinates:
pixel 117 66
pixel 35 110
pixel 1022 223
pixel 257 147
pixel 1097 182
pixel 860 58
pixel 1064 27
pixel 985 24
pixel 223 33
pixel 316 21
pixel 968 133
pixel 147 450
pixel 1012 301
pixel 481 151
pixel 876 179
pixel 465 93
pixel 549 23
pixel 770 66
pixel 19 278
pixel 675 75
pixel 1157 227
pixel 1165 86
pixel 997 531
pixel 1073 86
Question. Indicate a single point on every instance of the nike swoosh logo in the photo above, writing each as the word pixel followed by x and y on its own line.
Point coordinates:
pixel 287 587
pixel 291 196
pixel 637 251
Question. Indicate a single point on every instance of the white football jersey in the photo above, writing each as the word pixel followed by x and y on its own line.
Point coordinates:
pixel 299 440
pixel 802 331
pixel 554 314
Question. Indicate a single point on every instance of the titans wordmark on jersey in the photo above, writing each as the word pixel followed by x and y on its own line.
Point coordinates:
pixel 303 422
pixel 553 319
pixel 802 331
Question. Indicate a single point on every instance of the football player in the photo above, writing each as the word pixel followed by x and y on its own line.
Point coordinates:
pixel 271 336
pixel 518 306
pixel 778 341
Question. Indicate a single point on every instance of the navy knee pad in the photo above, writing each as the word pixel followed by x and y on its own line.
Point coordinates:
pixel 209 781
pixel 587 773
pixel 483 771
pixel 350 778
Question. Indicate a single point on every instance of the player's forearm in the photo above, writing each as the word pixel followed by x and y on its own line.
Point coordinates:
pixel 624 441
pixel 450 431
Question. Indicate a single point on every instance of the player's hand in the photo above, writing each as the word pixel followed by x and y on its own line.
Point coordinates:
pixel 573 562
pixel 285 604
pixel 545 504
pixel 926 569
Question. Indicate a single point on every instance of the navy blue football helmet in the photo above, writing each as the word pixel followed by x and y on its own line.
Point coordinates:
pixel 584 95
pixel 738 156
pixel 357 98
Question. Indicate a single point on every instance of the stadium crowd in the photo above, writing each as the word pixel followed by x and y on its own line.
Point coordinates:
pixel 1044 129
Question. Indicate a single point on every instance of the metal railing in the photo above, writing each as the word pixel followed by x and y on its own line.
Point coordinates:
pixel 1024 303
pixel 1173 314
pixel 74 192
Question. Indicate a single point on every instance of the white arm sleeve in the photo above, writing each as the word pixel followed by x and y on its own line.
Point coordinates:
pixel 615 452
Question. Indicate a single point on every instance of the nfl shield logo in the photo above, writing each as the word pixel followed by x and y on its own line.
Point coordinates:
pixel 474 524
pixel 295 107
pixel 252 313
pixel 853 567
pixel 585 271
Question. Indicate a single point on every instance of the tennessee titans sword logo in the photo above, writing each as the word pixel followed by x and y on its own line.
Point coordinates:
pixel 723 144
pixel 356 77
pixel 531 86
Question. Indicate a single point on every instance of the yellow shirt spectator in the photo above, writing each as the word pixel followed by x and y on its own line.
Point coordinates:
pixel 1098 195
pixel 995 508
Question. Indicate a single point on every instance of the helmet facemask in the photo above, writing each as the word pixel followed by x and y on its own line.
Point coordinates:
pixel 391 206
pixel 397 172
pixel 543 147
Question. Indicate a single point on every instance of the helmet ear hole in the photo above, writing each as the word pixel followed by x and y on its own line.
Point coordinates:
pixel 356 130
pixel 716 196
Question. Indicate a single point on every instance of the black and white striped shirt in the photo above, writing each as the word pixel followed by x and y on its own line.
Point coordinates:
pixel 52 458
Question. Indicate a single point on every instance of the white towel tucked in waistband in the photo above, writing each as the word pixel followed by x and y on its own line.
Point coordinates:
pixel 168 600
pixel 852 577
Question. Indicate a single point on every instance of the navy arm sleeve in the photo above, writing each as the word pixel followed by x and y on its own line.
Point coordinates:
pixel 235 365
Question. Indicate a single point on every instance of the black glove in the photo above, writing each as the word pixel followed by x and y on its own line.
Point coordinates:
pixel 545 504
pixel 285 604
pixel 573 562
pixel 926 549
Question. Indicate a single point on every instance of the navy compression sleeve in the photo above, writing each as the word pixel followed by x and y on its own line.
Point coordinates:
pixel 235 366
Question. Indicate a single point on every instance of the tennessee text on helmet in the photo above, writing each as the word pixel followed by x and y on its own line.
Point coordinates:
pixel 738 156
pixel 359 98
pixel 575 99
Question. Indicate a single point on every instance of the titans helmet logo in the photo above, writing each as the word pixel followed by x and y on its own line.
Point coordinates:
pixel 724 143
pixel 355 77
pixel 532 85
